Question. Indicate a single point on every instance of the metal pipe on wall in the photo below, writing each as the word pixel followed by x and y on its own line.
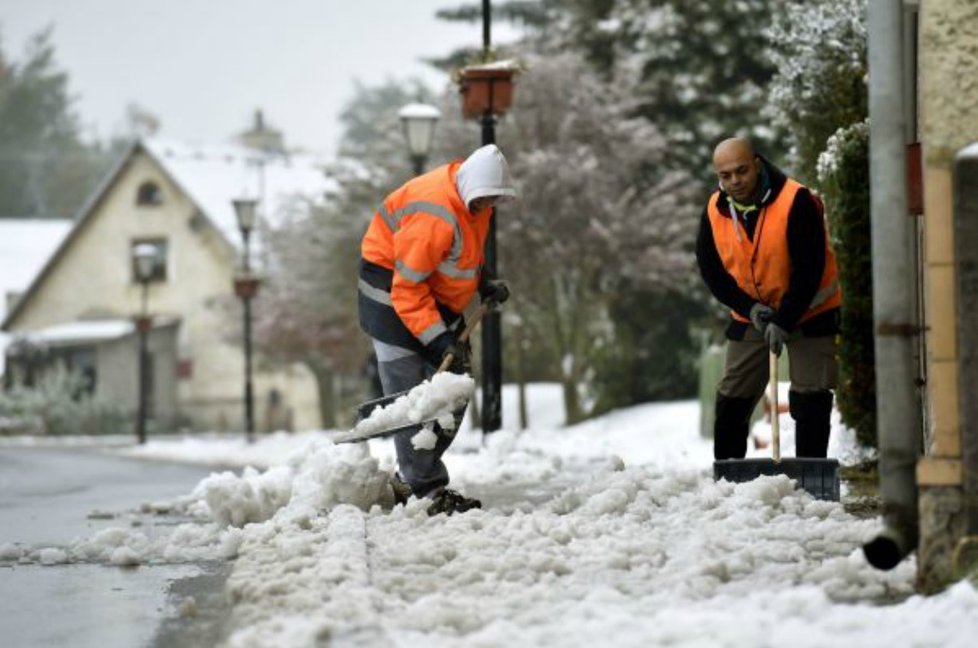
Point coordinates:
pixel 894 312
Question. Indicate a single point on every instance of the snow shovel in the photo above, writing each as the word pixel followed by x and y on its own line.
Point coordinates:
pixel 364 409
pixel 367 408
pixel 818 476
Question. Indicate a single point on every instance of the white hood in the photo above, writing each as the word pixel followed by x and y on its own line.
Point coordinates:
pixel 484 173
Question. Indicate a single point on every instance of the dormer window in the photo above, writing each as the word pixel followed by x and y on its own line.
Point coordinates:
pixel 149 194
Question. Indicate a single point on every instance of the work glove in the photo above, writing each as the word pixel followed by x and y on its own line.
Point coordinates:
pixel 436 350
pixel 775 336
pixel 494 290
pixel 760 315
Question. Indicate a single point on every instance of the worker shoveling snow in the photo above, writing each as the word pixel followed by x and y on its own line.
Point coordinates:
pixel 433 401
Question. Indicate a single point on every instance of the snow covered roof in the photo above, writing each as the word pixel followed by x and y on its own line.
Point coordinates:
pixel 214 175
pixel 25 245
pixel 971 150
pixel 419 111
pixel 90 331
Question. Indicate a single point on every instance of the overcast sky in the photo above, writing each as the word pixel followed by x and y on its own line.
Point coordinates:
pixel 203 66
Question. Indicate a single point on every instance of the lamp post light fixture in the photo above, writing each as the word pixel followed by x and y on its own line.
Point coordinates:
pixel 419 122
pixel 246 287
pixel 144 256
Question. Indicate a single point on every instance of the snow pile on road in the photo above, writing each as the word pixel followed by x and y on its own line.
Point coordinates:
pixel 311 483
pixel 132 546
pixel 317 478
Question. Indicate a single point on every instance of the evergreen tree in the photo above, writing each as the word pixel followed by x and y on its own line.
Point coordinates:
pixel 45 169
pixel 820 86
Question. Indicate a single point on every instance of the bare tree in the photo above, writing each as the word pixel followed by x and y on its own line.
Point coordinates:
pixel 597 210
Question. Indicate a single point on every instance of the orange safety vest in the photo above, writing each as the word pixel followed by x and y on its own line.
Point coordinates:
pixel 762 267
pixel 425 235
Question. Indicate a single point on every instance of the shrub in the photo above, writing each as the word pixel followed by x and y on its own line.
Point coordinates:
pixel 58 404
pixel 843 171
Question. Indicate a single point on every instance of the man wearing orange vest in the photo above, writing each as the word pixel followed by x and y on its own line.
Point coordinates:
pixel 764 252
pixel 420 268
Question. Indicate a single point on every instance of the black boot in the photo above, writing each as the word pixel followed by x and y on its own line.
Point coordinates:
pixel 731 425
pixel 811 412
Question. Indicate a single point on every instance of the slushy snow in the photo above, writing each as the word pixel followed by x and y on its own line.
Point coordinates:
pixel 611 532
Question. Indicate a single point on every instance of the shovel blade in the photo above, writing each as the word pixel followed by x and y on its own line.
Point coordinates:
pixel 366 408
pixel 820 477
pixel 353 437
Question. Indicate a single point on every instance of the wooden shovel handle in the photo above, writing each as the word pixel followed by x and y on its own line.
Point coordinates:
pixel 470 325
pixel 773 398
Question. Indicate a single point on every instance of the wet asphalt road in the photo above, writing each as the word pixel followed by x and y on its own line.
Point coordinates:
pixel 47 499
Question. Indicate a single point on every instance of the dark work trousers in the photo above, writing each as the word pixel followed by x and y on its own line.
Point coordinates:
pixel 813 373
pixel 423 470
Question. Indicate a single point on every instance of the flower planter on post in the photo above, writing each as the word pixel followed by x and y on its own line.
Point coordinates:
pixel 246 287
pixel 486 89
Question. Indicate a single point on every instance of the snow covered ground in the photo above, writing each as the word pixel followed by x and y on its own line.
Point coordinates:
pixel 611 532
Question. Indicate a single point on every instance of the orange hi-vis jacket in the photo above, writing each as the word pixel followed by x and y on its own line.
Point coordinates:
pixel 762 266
pixel 421 261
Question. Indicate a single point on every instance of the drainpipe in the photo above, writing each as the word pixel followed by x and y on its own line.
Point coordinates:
pixel 894 314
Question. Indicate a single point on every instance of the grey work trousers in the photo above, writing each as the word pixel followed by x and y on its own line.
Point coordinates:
pixel 813 373
pixel 811 362
pixel 423 470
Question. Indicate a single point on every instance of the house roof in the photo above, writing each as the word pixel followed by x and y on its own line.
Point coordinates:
pixel 90 331
pixel 25 244
pixel 214 175
pixel 211 176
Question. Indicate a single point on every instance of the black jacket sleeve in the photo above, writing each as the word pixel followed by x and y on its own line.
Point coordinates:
pixel 717 279
pixel 806 249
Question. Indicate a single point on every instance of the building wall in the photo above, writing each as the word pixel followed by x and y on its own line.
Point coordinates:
pixel 118 374
pixel 948 70
pixel 94 279
pixel 948 96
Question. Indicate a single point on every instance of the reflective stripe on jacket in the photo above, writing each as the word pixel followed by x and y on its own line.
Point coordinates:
pixel 421 260
pixel 762 266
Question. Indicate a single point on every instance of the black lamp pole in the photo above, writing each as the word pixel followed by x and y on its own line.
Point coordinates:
pixel 142 326
pixel 246 287
pixel 144 258
pixel 492 337
pixel 418 161
pixel 246 300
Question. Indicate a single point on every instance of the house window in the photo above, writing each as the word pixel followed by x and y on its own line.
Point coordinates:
pixel 149 194
pixel 81 360
pixel 159 259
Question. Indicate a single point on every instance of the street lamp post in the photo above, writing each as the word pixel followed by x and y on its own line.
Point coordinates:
pixel 246 287
pixel 419 122
pixel 145 259
pixel 487 92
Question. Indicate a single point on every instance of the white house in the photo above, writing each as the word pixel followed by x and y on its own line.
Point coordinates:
pixel 176 198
